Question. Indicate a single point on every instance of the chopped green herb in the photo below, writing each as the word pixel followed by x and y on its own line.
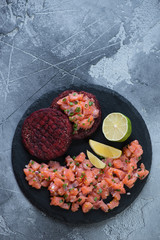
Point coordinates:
pixel 100 190
pixel 75 126
pixel 139 169
pixel 82 175
pixel 42 176
pixel 62 175
pixel 74 94
pixel 68 203
pixel 65 196
pixel 129 176
pixel 64 185
pixel 67 110
pixel 90 103
pixel 101 157
pixel 77 164
pixel 88 119
pixel 55 170
pixel 73 157
pixel 87 165
pixel 75 102
pixel 104 186
pixel 70 189
pixel 32 162
pixel 118 190
pixel 78 109
pixel 95 186
pixel 71 114
pixel 113 180
pixel 138 175
pixel 42 166
pixel 96 177
pixel 64 99
pixel 29 170
pixel 79 115
pixel 83 124
pixel 139 158
pixel 86 105
pixel 34 180
pixel 70 162
pixel 49 178
pixel 80 199
pixel 71 103
pixel 126 161
pixel 142 177
pixel 133 167
pixel 110 164
pixel 61 201
pixel 95 199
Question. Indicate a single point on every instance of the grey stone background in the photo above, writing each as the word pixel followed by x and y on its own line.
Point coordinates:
pixel 45 44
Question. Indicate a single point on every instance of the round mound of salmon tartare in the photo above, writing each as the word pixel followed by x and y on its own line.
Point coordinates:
pixel 82 109
pixel 47 134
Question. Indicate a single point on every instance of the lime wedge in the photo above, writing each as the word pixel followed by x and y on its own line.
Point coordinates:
pixel 105 150
pixel 116 127
pixel 95 161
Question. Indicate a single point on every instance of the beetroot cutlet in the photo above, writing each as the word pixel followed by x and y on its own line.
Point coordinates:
pixel 81 134
pixel 47 134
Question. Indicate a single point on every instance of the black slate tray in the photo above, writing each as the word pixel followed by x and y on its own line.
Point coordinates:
pixel 110 101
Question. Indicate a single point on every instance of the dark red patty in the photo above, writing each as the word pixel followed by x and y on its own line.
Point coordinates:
pixel 81 132
pixel 47 134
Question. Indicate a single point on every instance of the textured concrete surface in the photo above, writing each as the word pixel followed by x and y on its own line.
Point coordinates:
pixel 45 44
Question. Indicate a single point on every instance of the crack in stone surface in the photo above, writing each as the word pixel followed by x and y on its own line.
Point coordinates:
pixel 63 70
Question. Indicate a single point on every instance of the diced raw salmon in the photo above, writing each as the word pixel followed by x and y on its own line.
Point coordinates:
pixel 35 166
pixel 114 203
pixel 88 177
pixel 102 206
pixel 65 206
pixel 142 172
pixel 45 183
pixel 81 157
pixel 74 207
pixel 57 201
pixel 81 200
pixel 58 182
pixel 86 207
pixel 85 190
pixel 117 163
pixel 129 180
pixel 81 184
pixel 69 174
pixel 119 173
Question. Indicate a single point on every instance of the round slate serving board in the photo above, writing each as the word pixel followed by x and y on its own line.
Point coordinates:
pixel 110 101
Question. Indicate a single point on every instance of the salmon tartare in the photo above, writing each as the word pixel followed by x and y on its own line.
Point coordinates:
pixel 79 184
pixel 82 109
